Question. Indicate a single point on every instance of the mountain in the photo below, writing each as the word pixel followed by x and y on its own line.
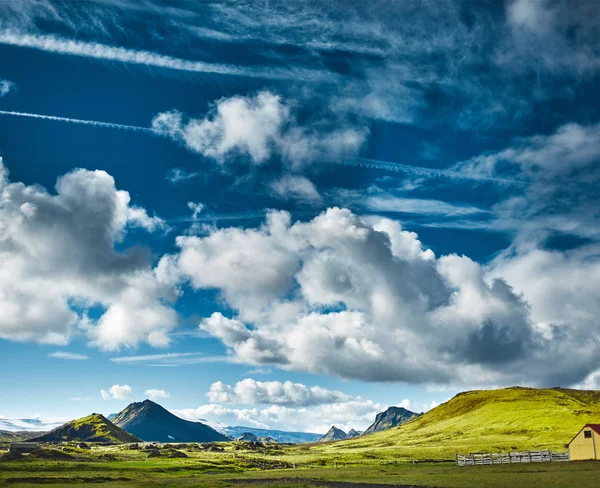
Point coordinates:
pixel 248 436
pixel 93 428
pixel 392 417
pixel 151 422
pixel 334 434
pixel 281 436
pixel 353 433
pixel 507 419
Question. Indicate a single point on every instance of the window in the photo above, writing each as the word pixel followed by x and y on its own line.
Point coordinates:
pixel 587 434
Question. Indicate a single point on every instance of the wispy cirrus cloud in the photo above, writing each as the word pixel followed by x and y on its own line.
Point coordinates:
pixel 69 356
pixel 172 358
pixel 59 45
pixel 561 172
pixel 6 87
pixel 177 175
pixel 375 199
pixel 419 206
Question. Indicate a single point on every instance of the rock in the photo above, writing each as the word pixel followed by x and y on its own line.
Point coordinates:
pixel 175 454
pixel 248 436
pixel 153 453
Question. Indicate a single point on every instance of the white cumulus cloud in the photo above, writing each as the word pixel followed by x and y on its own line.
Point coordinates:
pixel 155 394
pixel 117 392
pixel 252 392
pixel 294 187
pixel 353 414
pixel 257 127
pixel 361 298
pixel 59 258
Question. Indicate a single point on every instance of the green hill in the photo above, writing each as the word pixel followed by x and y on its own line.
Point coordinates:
pixel 18 436
pixel 480 421
pixel 93 428
pixel 151 422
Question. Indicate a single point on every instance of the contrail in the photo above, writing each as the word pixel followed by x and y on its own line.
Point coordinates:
pixel 95 50
pixel 251 215
pixel 421 170
pixel 356 162
pixel 95 123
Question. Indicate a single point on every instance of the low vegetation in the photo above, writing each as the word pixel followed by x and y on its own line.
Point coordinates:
pixel 116 466
pixel 417 453
pixel 507 419
pixel 93 428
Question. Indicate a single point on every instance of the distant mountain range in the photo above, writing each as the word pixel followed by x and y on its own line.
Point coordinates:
pixel 151 422
pixel 17 436
pixel 390 418
pixel 333 434
pixel 353 433
pixel 248 437
pixel 281 436
pixel 93 428
pixel 23 425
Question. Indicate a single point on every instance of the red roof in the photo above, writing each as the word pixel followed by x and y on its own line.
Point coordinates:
pixel 594 427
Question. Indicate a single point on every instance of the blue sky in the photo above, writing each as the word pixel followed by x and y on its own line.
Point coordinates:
pixel 293 214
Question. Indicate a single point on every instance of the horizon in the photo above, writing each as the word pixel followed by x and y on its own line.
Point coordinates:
pixel 293 215
pixel 219 427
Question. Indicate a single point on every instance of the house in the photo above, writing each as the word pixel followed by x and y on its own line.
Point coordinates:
pixel 586 444
pixel 23 447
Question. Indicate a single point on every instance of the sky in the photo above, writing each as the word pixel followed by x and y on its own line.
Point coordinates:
pixel 295 214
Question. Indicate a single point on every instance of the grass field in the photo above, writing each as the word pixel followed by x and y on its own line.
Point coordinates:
pixel 196 472
pixel 480 421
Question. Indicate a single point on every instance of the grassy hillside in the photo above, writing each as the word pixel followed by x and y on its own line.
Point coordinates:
pixel 93 428
pixel 6 436
pixel 490 421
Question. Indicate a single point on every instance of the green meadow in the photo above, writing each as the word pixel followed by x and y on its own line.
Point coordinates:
pixel 222 472
pixel 418 453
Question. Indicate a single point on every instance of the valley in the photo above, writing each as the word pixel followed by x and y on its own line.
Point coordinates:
pixel 416 452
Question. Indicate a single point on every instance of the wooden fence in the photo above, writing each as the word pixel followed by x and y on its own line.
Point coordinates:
pixel 510 457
